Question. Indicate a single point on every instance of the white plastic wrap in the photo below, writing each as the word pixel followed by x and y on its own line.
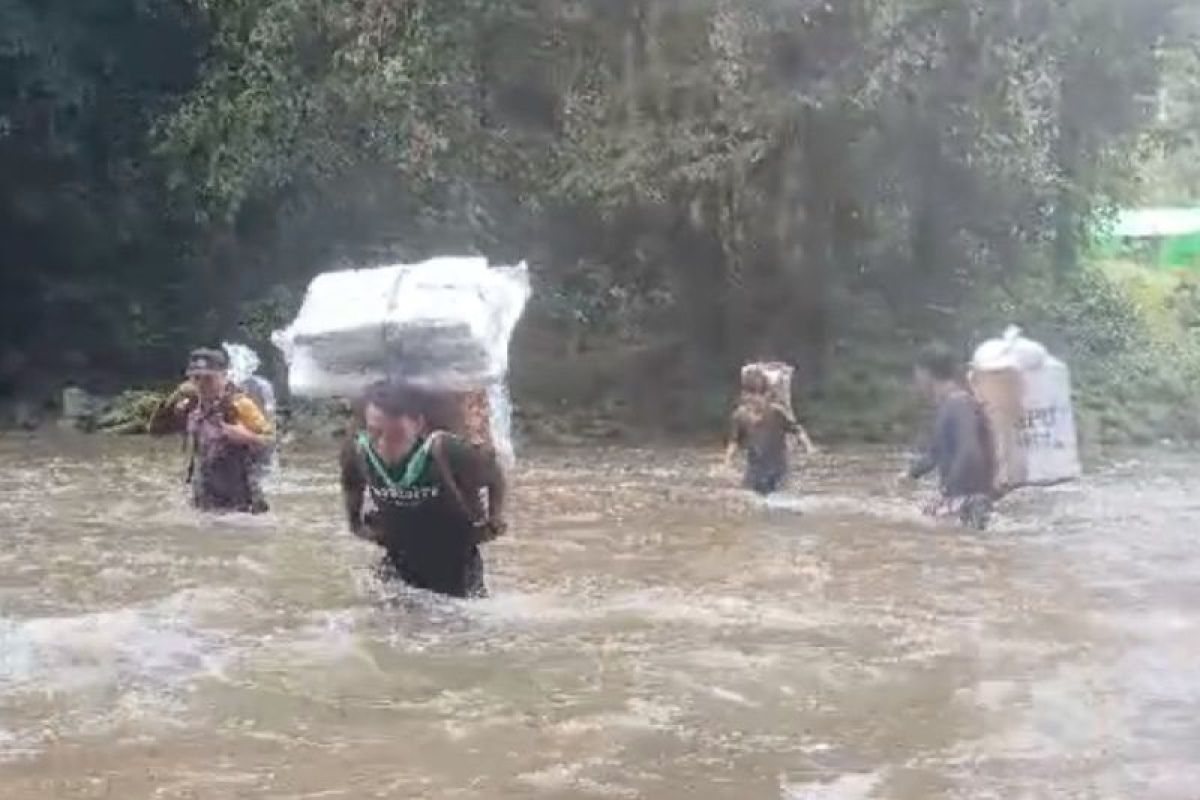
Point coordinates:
pixel 1010 351
pixel 243 369
pixel 779 380
pixel 243 361
pixel 500 422
pixel 1027 394
pixel 445 324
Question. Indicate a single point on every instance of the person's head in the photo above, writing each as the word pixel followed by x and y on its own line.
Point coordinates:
pixel 754 383
pixel 395 416
pixel 208 370
pixel 935 369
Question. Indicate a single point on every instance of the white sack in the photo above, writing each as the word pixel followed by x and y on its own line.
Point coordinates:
pixel 1027 394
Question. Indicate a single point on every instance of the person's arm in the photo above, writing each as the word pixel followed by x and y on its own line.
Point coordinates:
pixel 171 413
pixel 495 483
pixel 964 450
pixel 925 460
pixel 252 427
pixel 923 463
pixel 475 470
pixel 796 430
pixel 354 486
pixel 737 434
pixel 805 441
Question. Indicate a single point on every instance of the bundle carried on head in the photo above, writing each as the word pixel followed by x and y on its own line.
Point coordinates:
pixel 443 325
pixel 775 377
pixel 468 414
pixel 1026 393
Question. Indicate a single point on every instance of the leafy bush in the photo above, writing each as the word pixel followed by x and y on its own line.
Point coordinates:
pixel 261 316
pixel 1128 335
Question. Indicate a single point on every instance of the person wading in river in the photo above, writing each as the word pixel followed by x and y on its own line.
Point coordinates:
pixel 227 432
pixel 761 428
pixel 418 491
pixel 960 446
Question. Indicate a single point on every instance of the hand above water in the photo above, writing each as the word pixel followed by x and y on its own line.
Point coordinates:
pixel 238 433
pixel 727 470
pixel 365 532
pixel 494 528
pixel 937 507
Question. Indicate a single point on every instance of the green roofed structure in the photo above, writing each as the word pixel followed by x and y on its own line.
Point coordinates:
pixel 1163 238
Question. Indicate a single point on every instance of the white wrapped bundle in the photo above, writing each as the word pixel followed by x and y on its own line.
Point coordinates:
pixel 1026 393
pixel 243 371
pixel 778 376
pixel 445 323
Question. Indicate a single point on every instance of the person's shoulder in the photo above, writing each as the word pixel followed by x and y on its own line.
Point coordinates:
pixel 464 455
pixel 350 454
pixel 354 441
pixel 454 445
pixel 962 397
pixel 243 403
pixel 750 407
pixel 248 413
pixel 780 410
pixel 959 402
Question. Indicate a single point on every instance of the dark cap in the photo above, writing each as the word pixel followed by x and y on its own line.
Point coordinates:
pixel 207 360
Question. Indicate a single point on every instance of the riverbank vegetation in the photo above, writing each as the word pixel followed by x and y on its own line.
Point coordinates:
pixel 693 183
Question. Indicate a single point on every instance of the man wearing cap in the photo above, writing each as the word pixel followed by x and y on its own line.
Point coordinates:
pixel 227 431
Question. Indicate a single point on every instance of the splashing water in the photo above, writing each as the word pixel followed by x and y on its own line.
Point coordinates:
pixel 652 633
pixel 243 362
pixel 444 324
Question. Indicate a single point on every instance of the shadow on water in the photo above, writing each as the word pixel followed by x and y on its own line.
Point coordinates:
pixel 652 633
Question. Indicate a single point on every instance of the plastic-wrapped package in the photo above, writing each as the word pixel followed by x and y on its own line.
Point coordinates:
pixel 243 361
pixel 243 372
pixel 1026 393
pixel 243 369
pixel 778 376
pixel 444 324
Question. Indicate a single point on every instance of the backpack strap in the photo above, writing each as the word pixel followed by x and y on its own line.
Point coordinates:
pixel 412 471
pixel 434 447
pixel 441 460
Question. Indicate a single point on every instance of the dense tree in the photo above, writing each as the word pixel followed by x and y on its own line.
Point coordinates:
pixel 88 255
pixel 784 176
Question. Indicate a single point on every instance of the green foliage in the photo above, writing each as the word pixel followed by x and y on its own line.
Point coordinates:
pixel 87 245
pixel 830 183
pixel 262 316
pixel 302 93
pixel 130 412
pixel 1127 337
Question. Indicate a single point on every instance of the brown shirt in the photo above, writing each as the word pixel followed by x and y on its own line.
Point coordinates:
pixel 761 428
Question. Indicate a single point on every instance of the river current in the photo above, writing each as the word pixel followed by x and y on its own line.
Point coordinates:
pixel 653 633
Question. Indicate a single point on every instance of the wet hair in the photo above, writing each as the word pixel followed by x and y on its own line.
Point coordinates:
pixel 939 361
pixel 396 399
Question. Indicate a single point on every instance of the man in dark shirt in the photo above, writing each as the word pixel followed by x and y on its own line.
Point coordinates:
pixel 960 447
pixel 761 428
pixel 418 492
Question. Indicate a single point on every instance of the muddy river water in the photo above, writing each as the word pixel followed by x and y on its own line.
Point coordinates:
pixel 652 634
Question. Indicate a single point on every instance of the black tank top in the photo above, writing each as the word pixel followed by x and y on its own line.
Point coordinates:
pixel 429 539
